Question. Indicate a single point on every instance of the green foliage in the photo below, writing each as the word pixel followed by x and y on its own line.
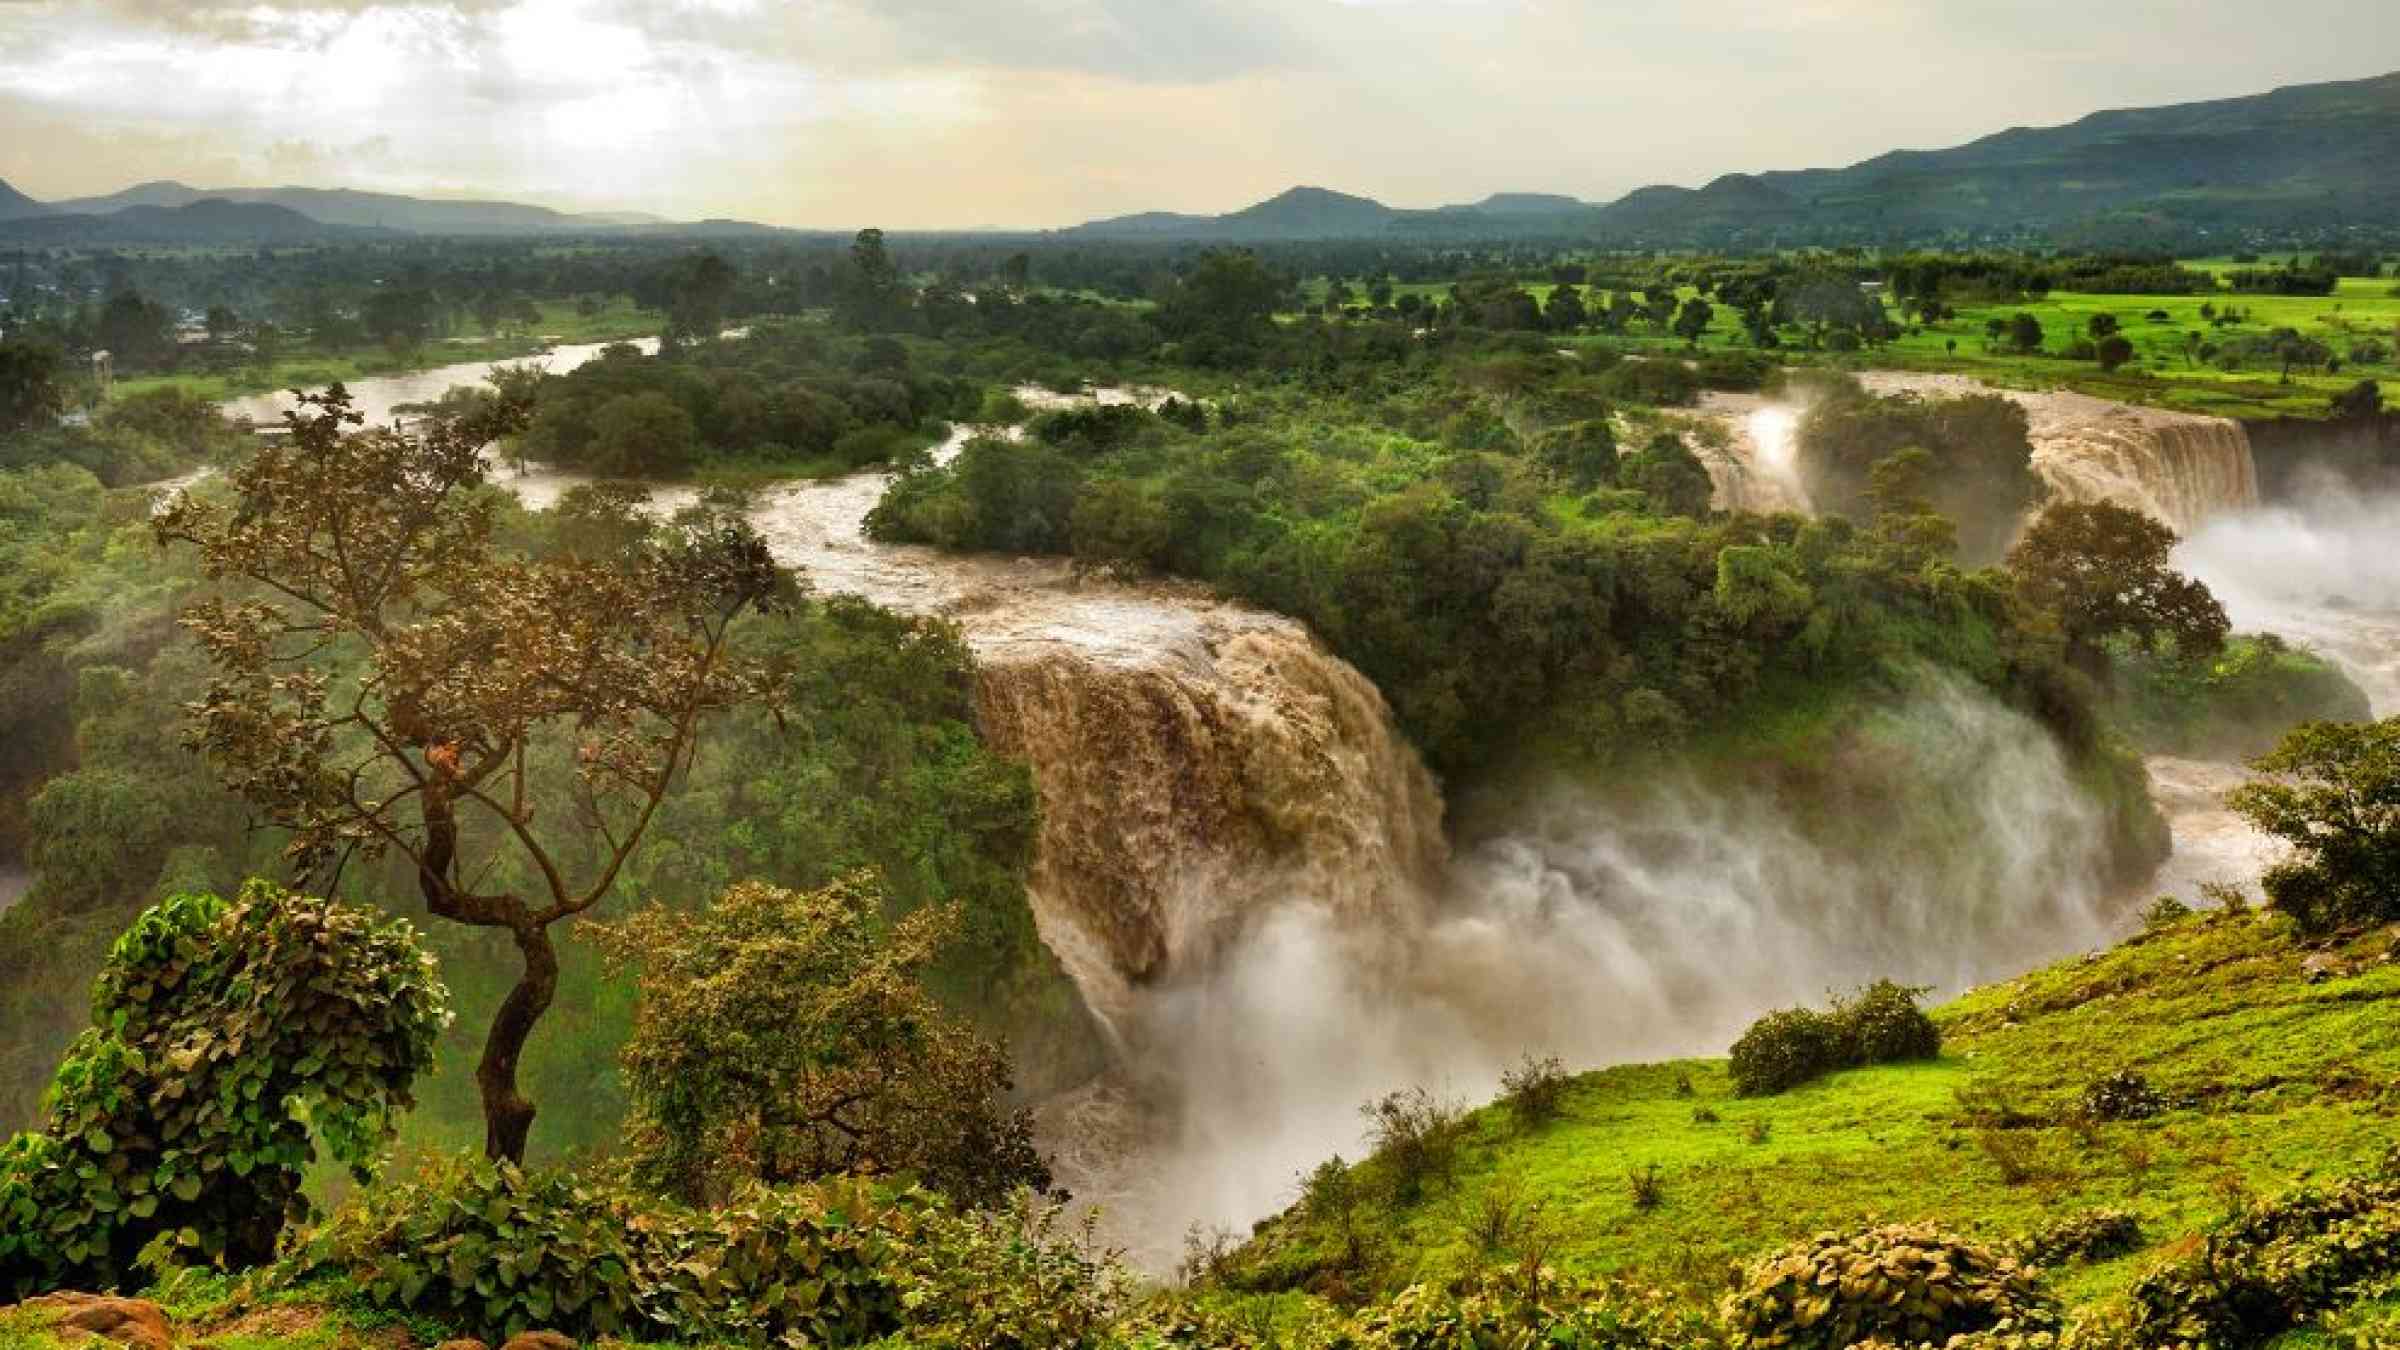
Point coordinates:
pixel 1982 476
pixel 2092 1235
pixel 1535 1088
pixel 1880 1024
pixel 2102 570
pixel 780 1037
pixel 1907 1284
pixel 2335 798
pixel 488 1250
pixel 2232 706
pixel 1502 1313
pixel 1416 1139
pixel 228 1041
pixel 1782 1050
pixel 2123 1095
pixel 2272 1267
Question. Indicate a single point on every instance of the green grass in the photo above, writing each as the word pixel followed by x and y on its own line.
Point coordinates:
pixel 2278 1081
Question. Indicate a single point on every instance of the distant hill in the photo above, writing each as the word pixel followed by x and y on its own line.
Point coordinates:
pixel 210 220
pixel 373 210
pixel 14 204
pixel 2306 156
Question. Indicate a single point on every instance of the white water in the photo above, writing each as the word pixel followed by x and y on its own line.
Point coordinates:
pixel 378 395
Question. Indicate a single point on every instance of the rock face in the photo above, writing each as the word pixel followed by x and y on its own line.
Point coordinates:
pixel 136 1322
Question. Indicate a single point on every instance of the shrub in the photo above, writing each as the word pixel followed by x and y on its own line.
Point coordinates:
pixel 1415 1136
pixel 1781 1051
pixel 1647 1189
pixel 1496 1311
pixel 2272 1267
pixel 489 1250
pixel 2163 912
pixel 1882 1024
pixel 2093 1235
pixel 2123 1095
pixel 1909 1284
pixel 1535 1089
pixel 229 1039
pixel 2017 1154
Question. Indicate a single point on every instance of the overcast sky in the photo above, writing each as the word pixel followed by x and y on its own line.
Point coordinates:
pixel 920 113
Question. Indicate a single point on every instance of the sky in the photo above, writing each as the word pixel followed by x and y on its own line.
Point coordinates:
pixel 961 113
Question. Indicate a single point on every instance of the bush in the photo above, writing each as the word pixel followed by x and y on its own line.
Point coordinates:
pixel 1882 1024
pixel 2272 1267
pixel 1415 1137
pixel 1782 1050
pixel 490 1250
pixel 2123 1095
pixel 1535 1089
pixel 229 1040
pixel 2093 1235
pixel 1908 1284
pixel 1495 1311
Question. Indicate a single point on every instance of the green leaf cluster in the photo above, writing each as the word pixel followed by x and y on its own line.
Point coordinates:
pixel 228 1040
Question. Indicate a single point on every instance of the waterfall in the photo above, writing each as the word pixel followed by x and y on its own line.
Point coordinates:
pixel 2179 468
pixel 1185 793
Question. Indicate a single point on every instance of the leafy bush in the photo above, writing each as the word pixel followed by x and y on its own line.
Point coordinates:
pixel 228 1039
pixel 2123 1095
pixel 1496 1313
pixel 1415 1136
pixel 1909 1284
pixel 1882 1024
pixel 2164 912
pixel 2272 1267
pixel 2093 1235
pixel 1782 1050
pixel 489 1250
pixel 1535 1089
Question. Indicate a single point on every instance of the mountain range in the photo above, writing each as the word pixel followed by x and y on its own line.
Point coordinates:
pixel 2308 157
pixel 2303 156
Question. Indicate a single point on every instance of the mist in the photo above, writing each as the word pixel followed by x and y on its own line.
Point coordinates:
pixel 1600 930
pixel 2321 570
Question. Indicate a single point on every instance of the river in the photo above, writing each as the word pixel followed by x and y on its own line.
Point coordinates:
pixel 377 396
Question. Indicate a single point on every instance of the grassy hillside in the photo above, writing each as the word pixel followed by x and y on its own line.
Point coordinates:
pixel 2278 1064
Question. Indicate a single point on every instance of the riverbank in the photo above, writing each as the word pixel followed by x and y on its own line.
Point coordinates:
pixel 560 324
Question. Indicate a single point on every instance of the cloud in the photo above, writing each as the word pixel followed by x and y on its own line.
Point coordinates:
pixel 918 113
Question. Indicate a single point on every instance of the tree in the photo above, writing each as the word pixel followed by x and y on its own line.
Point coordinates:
pixel 1225 304
pixel 227 1041
pixel 2025 333
pixel 2102 570
pixel 1667 471
pixel 2113 351
pixel 221 323
pixel 2291 349
pixel 2361 401
pixel 698 291
pixel 867 297
pixel 2101 325
pixel 136 330
pixel 399 316
pixel 779 1038
pixel 1565 312
pixel 1584 453
pixel 2334 796
pixel 30 395
pixel 1693 320
pixel 644 435
pixel 397 685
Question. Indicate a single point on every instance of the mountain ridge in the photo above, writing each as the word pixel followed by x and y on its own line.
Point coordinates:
pixel 2311 152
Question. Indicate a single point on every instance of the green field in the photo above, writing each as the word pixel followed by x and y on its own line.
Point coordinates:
pixel 2161 373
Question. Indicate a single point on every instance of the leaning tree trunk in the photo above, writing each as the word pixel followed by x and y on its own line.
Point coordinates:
pixel 507 1115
